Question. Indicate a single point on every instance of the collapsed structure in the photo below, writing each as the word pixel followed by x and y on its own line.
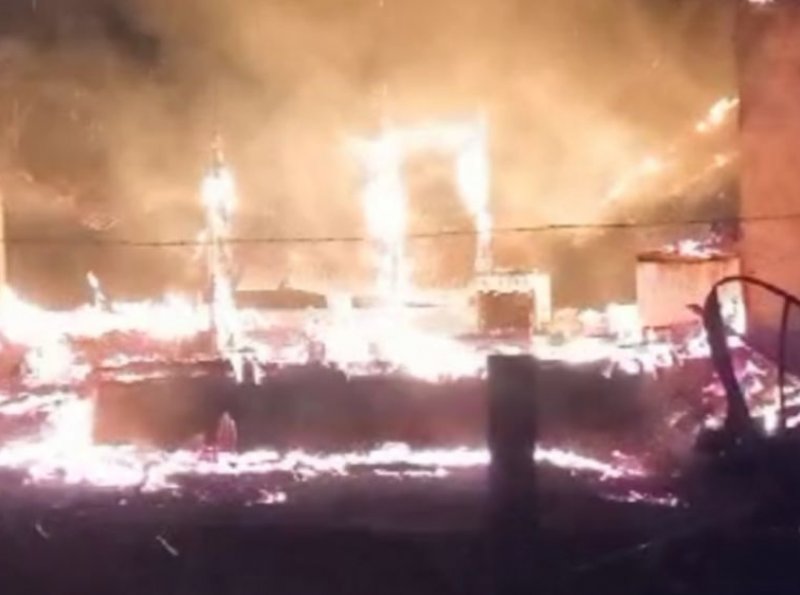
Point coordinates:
pixel 175 397
pixel 190 377
pixel 186 379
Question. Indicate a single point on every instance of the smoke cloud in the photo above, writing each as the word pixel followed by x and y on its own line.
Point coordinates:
pixel 109 107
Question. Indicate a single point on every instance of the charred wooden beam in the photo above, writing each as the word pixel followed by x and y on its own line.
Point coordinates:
pixel 318 407
pixel 311 406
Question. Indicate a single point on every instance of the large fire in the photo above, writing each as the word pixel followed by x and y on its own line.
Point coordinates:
pixel 385 198
pixel 49 359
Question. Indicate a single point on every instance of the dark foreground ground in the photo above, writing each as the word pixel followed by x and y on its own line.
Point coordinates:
pixel 402 531
pixel 383 535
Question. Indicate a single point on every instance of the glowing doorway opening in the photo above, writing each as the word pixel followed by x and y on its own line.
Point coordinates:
pixel 385 196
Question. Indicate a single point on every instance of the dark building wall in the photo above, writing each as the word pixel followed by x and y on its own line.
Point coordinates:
pixel 768 46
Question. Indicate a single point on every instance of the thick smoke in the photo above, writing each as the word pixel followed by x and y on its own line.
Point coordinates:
pixel 110 105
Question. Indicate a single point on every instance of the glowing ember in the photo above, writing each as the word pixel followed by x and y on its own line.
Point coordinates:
pixel 698 249
pixel 64 454
pixel 717 114
pixel 645 170
pixel 63 451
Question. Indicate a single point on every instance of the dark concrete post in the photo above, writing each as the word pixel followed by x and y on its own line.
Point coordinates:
pixel 512 477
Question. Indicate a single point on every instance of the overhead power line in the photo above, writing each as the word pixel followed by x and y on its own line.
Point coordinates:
pixel 424 235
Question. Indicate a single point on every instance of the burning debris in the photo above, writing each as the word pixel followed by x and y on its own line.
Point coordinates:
pixel 282 401
pixel 55 436
pixel 150 395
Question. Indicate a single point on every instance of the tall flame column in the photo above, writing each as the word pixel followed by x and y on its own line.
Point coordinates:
pixel 473 176
pixel 219 201
pixel 385 204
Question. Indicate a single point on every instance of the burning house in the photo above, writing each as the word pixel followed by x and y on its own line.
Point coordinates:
pixel 490 411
